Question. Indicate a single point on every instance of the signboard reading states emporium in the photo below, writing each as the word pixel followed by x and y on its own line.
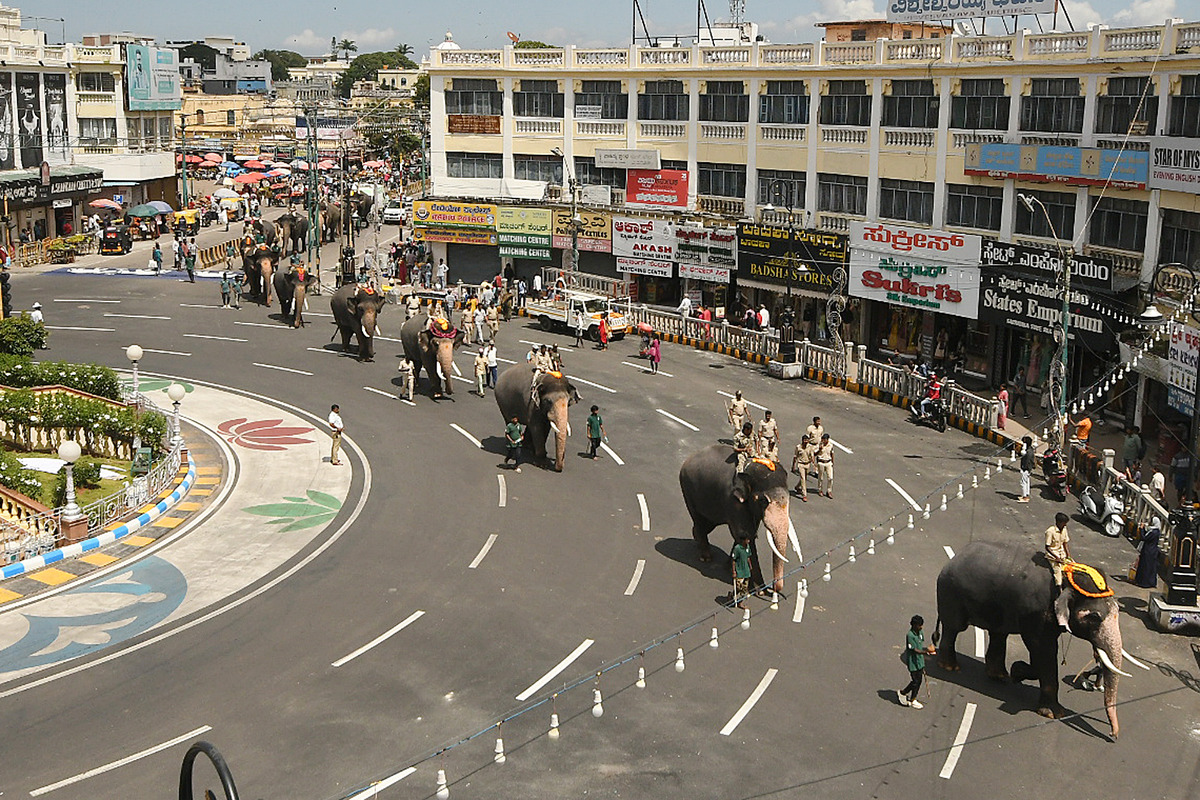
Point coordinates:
pixel 524 232
pixel 705 254
pixel 764 252
pixel 934 270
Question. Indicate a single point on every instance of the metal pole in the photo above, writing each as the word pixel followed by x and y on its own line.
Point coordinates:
pixel 137 404
pixel 71 510
pixel 1066 317
pixel 183 157
pixel 574 225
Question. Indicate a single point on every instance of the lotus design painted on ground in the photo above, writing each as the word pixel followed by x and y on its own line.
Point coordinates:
pixel 263 434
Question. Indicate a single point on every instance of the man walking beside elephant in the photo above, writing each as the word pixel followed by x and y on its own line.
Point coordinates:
pixel 914 656
pixel 336 426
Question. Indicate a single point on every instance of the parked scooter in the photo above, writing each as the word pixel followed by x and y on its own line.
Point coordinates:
pixel 1107 510
pixel 936 418
pixel 1055 473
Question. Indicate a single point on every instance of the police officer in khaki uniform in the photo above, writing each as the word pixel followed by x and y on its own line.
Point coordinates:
pixel 802 462
pixel 743 445
pixel 768 437
pixel 824 458
pixel 737 412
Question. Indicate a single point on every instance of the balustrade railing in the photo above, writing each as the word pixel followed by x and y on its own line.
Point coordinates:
pixel 831 135
pixel 717 332
pixel 782 133
pixel 908 138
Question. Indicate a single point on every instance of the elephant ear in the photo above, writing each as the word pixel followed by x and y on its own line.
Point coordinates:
pixel 310 281
pixel 352 305
pixel 573 396
pixel 741 491
pixel 423 338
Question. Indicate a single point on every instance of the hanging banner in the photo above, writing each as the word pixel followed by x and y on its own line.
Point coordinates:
pixel 709 247
pixel 453 214
pixel 924 269
pixel 57 142
pixel 803 259
pixel 701 273
pixel 643 238
pixel 645 266
pixel 1183 359
pixel 7 129
pixel 1073 166
pixel 664 188
pixel 938 10
pixel 1046 263
pixel 595 234
pixel 29 119
pixel 152 78
pixel 1034 305
pixel 1175 164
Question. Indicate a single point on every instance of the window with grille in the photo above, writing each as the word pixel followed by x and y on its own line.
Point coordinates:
pixel 1120 224
pixel 1053 105
pixel 1180 242
pixel 231 118
pixel 97 130
pixel 663 100
pixel 588 174
pixel 971 206
pixel 783 188
pixel 785 103
pixel 95 82
pixel 725 101
pixel 1060 208
pixel 1129 106
pixel 847 103
pixel 1184 109
pixel 475 96
pixel 544 168
pixel 538 99
pixel 607 95
pixel 165 132
pixel 474 165
pixel 722 180
pixel 842 194
pixel 909 201
pixel 980 105
pixel 911 104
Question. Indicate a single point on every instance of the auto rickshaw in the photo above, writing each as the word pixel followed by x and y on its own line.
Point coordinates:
pixel 116 239
pixel 187 221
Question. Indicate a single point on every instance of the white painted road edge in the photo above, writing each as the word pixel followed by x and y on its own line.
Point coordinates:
pixel 503 491
pixel 83 300
pixel 487 546
pixel 682 422
pixel 559 667
pixel 904 494
pixel 754 697
pixel 73 328
pixel 960 739
pixel 645 511
pixel 604 446
pixel 949 550
pixel 474 441
pixel 91 773
pixel 637 576
pixel 137 316
pixel 840 446
pixel 375 788
pixel 380 639
pixel 589 383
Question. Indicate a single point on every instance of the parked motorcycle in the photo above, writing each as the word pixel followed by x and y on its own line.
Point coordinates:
pixel 1105 510
pixel 1055 473
pixel 936 418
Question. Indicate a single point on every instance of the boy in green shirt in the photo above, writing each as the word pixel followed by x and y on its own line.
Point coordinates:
pixel 514 434
pixel 595 431
pixel 914 655
pixel 741 570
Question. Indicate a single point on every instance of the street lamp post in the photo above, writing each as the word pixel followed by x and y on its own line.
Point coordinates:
pixel 176 393
pixel 69 451
pixel 134 354
pixel 576 221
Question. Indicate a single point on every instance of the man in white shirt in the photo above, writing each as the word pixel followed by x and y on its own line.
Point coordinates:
pixel 685 307
pixel 764 318
pixel 335 429
pixel 493 364
pixel 36 314
pixel 537 286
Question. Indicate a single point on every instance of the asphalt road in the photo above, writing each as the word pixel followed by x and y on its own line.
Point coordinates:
pixel 559 574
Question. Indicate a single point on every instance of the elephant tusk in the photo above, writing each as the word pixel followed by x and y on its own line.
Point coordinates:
pixel 364 333
pixel 774 549
pixel 378 329
pixel 794 539
pixel 568 429
pixel 553 426
pixel 1133 660
pixel 1108 664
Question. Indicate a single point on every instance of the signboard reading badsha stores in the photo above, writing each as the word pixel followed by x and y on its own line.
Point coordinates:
pixel 663 188
pixel 934 270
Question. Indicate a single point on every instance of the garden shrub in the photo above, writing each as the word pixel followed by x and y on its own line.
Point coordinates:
pixel 21 335
pixel 17 477
pixel 20 373
pixel 87 476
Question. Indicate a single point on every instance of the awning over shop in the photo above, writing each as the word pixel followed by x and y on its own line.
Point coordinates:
pixel 25 188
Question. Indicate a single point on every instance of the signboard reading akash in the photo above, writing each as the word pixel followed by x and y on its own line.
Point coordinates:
pixel 643 238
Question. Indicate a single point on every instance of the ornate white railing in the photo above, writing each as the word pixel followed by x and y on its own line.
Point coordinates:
pixel 601 58
pixel 959 140
pixel 914 50
pixel 782 133
pixel 786 54
pixel 848 53
pixel 663 130
pixel 726 131
pixel 839 135
pixel 990 49
pixel 538 58
pixel 592 128
pixel 538 127
pixel 665 55
pixel 908 138
pixel 725 55
pixel 732 336
pixel 1058 44
pixel 1120 41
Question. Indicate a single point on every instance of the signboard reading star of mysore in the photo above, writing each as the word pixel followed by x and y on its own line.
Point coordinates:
pixel 1175 164
pixel 915 267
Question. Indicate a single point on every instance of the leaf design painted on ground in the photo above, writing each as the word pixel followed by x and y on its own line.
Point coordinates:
pixel 147 385
pixel 263 434
pixel 298 513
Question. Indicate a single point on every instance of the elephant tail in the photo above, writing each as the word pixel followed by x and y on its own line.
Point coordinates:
pixel 937 632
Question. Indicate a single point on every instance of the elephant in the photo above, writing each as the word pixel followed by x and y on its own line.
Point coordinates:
pixel 331 222
pixel 297 232
pixel 716 494
pixel 292 287
pixel 431 349
pixel 1006 589
pixel 555 395
pixel 258 262
pixel 269 231
pixel 356 310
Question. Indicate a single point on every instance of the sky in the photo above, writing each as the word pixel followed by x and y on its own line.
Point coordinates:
pixel 307 25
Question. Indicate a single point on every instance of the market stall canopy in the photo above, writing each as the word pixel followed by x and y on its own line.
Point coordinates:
pixel 326 164
pixel 144 210
pixel 223 193
pixel 217 157
pixel 161 206
pixel 249 177
pixel 231 165
pixel 279 172
pixel 254 165
pixel 104 202
pixel 372 164
pixel 231 201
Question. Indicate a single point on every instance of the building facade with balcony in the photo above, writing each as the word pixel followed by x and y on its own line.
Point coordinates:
pixel 941 134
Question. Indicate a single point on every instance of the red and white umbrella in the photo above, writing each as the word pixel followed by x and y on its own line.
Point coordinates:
pixel 249 177
pixel 217 157
pixel 326 164
pixel 254 165
pixel 104 202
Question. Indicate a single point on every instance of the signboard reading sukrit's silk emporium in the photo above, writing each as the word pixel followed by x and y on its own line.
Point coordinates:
pixel 915 267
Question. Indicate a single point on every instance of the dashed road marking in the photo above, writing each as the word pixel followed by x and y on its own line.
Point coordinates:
pixel 282 369
pixel 503 490
pixel 461 430
pixel 646 368
pixel 600 386
pixel 374 789
pixel 840 446
pixel 323 350
pixel 491 540
pixel 754 697
pixel 263 325
pixel 76 328
pixel 160 352
pixel 949 550
pixel 960 740
pixel 539 344
pixel 218 338
pixel 904 494
pixel 380 639
pixel 604 446
pixel 388 395
pixel 137 316
pixel 83 300
pixel 637 576
pixel 91 773
pixel 199 305
pixel 557 668
pixel 645 511
pixel 682 422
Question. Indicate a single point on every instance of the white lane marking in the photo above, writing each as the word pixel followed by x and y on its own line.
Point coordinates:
pixel 83 300
pixel 474 441
pixel 198 305
pixel 491 540
pixel 949 550
pixel 408 402
pixel 503 490
pixel 160 352
pixel 645 511
pixel 646 368
pixel 74 328
pixel 91 773
pixel 281 369
pixel 840 446
pixel 388 395
pixel 960 739
pixel 457 371
pixel 381 638
pixel 682 422
pixel 374 789
pixel 557 668
pixel 980 645
pixel 206 336
pixel 637 576
pixel 904 494
pixel 315 314
pixel 263 325
pixel 604 446
pixel 589 383
pixel 323 350
pixel 752 405
pixel 386 339
pixel 539 344
pixel 137 316
pixel 461 379
pixel 754 697
pixel 505 360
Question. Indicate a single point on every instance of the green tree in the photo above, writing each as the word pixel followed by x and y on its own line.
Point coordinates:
pixel 366 66
pixel 347 46
pixel 402 49
pixel 393 140
pixel 280 61
pixel 421 92
pixel 533 44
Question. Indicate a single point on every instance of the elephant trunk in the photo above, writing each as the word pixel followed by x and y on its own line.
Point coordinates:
pixel 445 360
pixel 366 348
pixel 1108 645
pixel 777 522
pixel 266 269
pixel 558 419
pixel 297 305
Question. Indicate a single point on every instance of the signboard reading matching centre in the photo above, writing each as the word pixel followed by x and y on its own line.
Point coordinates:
pixel 524 232
pixel 152 78
pixel 644 246
pixel 924 269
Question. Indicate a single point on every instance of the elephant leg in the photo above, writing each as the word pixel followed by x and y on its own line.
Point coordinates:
pixel 997 654
pixel 1043 657
pixel 346 333
pixel 701 528
pixel 947 650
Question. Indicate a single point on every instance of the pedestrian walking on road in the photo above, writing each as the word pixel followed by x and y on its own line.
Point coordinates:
pixel 1020 392
pixel 768 437
pixel 481 371
pixel 603 330
pixel 177 259
pixel 743 446
pixel 655 355
pixel 235 288
pixel 914 657
pixel 493 365
pixel 230 252
pixel 514 435
pixel 225 289
pixel 157 256
pixel 1028 460
pixel 493 321
pixel 595 431
pixel 740 559
pixel 737 411
pixel 824 458
pixel 580 328
pixel 336 426
pixel 406 379
pixel 802 462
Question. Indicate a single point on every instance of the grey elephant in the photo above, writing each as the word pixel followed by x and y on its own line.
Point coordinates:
pixel 356 311
pixel 1009 588
pixel 293 287
pixel 331 222
pixel 430 348
pixel 284 222
pixel 716 494
pixel 541 414
pixel 258 262
pixel 296 231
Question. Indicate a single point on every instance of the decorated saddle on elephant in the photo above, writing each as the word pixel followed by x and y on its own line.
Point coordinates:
pixel 1088 581
pixel 441 328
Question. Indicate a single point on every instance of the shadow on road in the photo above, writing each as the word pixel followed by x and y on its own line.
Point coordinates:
pixel 685 552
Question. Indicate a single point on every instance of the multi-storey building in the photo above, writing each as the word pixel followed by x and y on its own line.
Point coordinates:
pixel 946 134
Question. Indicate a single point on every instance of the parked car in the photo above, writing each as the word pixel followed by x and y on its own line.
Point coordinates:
pixel 116 239
pixel 394 213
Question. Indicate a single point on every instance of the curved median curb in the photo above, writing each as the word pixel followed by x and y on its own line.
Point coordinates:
pixel 148 514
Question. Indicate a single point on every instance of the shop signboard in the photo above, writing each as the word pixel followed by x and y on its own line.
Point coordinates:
pixel 1175 164
pixel 939 10
pixel 1046 263
pixel 152 78
pixel 662 188
pixel 626 159
pixel 524 232
pixel 769 252
pixel 595 233
pixel 57 142
pixel 915 267
pixel 1024 302
pixel 643 238
pixel 588 112
pixel 708 247
pixel 644 266
pixel 698 272
pixel 449 214
pixel 1074 166
pixel 1183 357
pixel 7 129
pixel 484 124
pixel 460 236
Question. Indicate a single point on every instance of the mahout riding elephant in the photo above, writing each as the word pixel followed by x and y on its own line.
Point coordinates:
pixel 293 231
pixel 292 287
pixel 541 414
pixel 716 494
pixel 284 223
pixel 431 347
pixel 258 262
pixel 356 311
pixel 268 230
pixel 1007 588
